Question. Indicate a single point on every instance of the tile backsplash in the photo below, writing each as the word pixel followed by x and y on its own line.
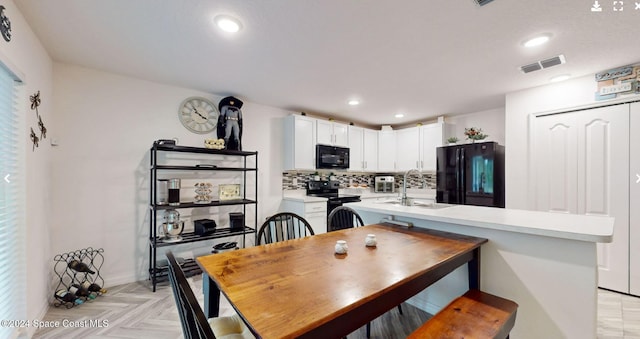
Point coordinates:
pixel 293 180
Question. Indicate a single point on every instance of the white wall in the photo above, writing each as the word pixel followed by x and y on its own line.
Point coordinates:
pixel 106 126
pixel 491 121
pixel 519 105
pixel 26 55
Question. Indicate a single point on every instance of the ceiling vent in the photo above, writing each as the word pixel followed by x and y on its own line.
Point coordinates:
pixel 546 63
pixel 482 2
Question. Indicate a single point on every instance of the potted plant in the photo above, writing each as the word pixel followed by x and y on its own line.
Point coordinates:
pixel 452 140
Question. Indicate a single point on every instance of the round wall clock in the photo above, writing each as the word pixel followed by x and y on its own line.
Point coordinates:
pixel 199 115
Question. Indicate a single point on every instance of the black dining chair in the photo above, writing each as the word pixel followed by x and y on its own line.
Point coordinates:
pixel 344 217
pixel 194 323
pixel 283 226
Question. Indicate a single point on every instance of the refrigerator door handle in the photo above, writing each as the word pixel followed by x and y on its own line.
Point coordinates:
pixel 457 176
pixel 463 191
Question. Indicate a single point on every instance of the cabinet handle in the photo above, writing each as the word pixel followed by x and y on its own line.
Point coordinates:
pixel 417 164
pixel 421 163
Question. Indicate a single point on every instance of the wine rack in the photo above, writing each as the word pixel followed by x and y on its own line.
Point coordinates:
pixel 67 276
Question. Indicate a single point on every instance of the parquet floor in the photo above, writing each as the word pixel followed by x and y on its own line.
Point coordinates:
pixel 134 312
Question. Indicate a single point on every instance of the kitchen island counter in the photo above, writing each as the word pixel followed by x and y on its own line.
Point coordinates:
pixel 545 262
pixel 557 225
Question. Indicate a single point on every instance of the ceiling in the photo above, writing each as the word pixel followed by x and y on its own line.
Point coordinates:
pixel 421 58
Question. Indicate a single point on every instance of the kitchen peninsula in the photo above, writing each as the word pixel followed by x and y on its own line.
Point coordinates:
pixel 546 262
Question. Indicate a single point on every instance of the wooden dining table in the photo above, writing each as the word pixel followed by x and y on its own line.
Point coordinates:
pixel 301 288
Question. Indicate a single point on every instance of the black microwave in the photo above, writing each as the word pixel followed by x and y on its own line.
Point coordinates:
pixel 331 157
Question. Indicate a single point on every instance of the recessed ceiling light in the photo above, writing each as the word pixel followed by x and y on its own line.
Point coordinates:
pixel 354 102
pixel 399 115
pixel 537 41
pixel 227 23
pixel 559 78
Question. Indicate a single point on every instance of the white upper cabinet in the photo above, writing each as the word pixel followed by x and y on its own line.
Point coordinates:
pixel 299 143
pixel 370 150
pixel 356 148
pixel 386 151
pixel 416 147
pixel 431 137
pixel 407 149
pixel 332 133
pixel 363 149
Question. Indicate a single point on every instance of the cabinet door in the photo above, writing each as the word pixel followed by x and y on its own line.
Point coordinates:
pixel 370 150
pixel 356 149
pixel 332 133
pixel 603 186
pixel 324 132
pixel 432 138
pixel 582 167
pixel 300 143
pixel 386 151
pixel 634 194
pixel 340 134
pixel 407 149
pixel 556 157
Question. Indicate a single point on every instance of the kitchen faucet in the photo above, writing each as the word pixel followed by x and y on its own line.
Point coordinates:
pixel 405 200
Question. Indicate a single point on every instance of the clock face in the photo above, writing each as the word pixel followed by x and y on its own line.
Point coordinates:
pixel 199 115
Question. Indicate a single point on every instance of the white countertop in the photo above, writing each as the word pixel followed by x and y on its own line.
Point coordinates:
pixel 557 225
pixel 301 196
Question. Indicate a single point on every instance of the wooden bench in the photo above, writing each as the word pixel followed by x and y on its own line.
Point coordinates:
pixel 474 315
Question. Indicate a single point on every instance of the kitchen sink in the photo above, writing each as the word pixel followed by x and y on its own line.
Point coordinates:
pixel 429 204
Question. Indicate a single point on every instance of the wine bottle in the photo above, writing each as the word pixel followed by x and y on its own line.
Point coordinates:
pixel 93 287
pixel 67 296
pixel 81 291
pixel 79 267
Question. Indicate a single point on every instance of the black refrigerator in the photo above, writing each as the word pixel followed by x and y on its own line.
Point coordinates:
pixel 471 174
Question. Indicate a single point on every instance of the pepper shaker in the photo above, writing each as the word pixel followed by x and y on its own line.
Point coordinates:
pixel 341 247
pixel 370 240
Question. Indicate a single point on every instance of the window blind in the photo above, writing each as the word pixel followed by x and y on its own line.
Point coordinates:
pixel 12 258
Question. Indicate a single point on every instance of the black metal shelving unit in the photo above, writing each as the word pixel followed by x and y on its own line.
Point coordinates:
pixel 159 273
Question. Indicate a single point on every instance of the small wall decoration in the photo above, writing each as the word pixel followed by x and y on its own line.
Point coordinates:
pixel 5 25
pixel 619 81
pixel 34 139
pixel 230 122
pixel 35 102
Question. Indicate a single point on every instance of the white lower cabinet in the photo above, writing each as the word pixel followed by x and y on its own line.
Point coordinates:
pixel 314 212
pixel 581 165
pixel 634 200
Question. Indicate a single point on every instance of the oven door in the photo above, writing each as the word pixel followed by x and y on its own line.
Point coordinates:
pixel 332 203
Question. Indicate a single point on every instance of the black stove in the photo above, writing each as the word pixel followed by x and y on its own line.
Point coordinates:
pixel 329 189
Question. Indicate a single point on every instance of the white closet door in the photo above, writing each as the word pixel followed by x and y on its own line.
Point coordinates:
pixel 634 202
pixel 603 185
pixel 555 154
pixel 582 166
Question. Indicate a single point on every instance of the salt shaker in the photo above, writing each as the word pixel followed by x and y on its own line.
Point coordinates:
pixel 370 240
pixel 341 247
